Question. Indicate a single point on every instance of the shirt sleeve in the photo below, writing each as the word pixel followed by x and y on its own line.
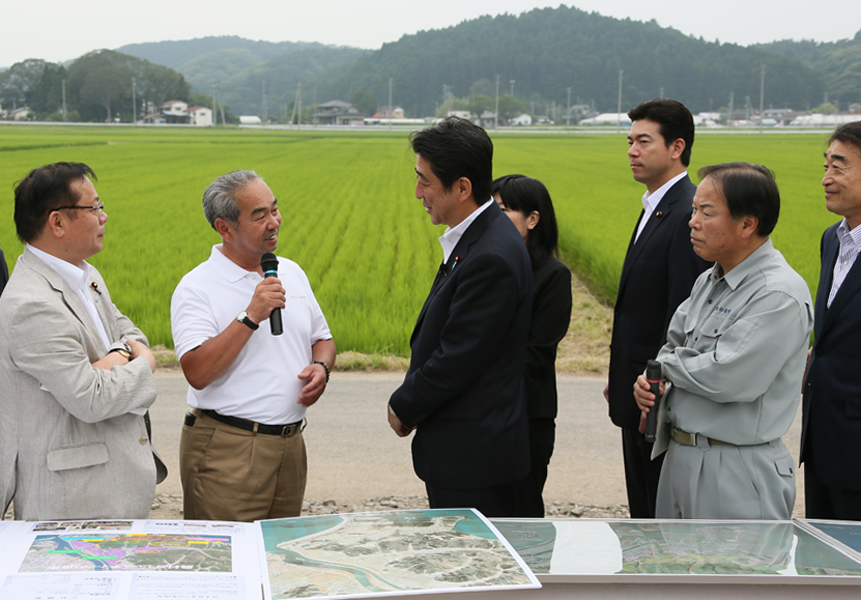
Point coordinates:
pixel 191 318
pixel 735 360
pixel 53 353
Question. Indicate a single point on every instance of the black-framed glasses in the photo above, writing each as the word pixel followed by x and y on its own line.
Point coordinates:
pixel 100 207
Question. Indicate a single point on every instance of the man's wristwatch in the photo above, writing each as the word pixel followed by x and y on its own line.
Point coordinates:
pixel 243 318
pixel 123 349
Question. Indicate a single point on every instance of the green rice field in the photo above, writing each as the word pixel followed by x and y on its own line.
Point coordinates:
pixel 350 216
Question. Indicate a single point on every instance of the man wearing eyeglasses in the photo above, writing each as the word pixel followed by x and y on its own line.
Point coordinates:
pixel 76 376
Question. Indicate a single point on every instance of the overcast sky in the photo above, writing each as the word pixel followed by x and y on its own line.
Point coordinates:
pixel 59 30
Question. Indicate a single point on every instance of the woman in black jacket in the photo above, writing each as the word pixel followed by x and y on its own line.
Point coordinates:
pixel 527 203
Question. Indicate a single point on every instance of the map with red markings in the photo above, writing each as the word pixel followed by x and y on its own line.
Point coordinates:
pixel 128 552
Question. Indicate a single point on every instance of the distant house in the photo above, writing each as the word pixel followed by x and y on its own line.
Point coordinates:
pixel 177 112
pixel 21 114
pixel 487 119
pixel 389 113
pixel 463 114
pixel 607 119
pixel 521 120
pixel 200 116
pixel 337 112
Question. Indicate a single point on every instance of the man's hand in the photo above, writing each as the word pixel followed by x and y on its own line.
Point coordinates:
pixel 139 349
pixel 644 397
pixel 607 393
pixel 268 295
pixel 316 376
pixel 114 359
pixel 399 428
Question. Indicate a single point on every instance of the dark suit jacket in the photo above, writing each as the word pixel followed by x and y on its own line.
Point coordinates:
pixel 657 275
pixel 4 272
pixel 464 389
pixel 551 315
pixel 831 425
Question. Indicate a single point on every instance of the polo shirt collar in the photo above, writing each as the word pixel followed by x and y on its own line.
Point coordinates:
pixel 226 267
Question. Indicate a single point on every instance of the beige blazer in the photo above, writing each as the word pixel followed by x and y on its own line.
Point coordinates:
pixel 69 447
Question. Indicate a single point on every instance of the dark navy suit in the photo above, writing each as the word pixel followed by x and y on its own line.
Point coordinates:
pixel 464 390
pixel 657 275
pixel 831 426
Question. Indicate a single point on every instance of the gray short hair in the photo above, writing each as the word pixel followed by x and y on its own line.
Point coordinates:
pixel 219 198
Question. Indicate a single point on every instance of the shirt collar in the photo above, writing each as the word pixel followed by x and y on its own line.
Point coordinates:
pixel 850 236
pixel 650 201
pixel 73 275
pixel 747 266
pixel 452 235
pixel 226 267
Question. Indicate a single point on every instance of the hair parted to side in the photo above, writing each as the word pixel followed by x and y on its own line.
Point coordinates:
pixel 43 190
pixel 219 198
pixel 525 194
pixel 674 120
pixel 457 148
pixel 848 133
pixel 748 189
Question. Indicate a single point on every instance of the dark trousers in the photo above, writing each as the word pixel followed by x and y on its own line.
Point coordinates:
pixel 641 474
pixel 822 501
pixel 497 501
pixel 530 502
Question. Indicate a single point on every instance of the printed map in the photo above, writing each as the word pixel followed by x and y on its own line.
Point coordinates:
pixel 128 552
pixel 393 552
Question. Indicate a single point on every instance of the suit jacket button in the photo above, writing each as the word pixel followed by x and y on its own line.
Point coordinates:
pixel 143 440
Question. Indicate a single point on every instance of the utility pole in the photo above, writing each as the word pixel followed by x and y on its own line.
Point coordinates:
pixel 568 114
pixel 134 103
pixel 511 81
pixel 496 113
pixel 731 102
pixel 619 104
pixel 298 105
pixel 761 95
pixel 64 100
pixel 264 101
pixel 391 110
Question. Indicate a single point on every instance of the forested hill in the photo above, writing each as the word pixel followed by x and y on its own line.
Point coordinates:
pixel 548 50
pixel 839 63
pixel 174 54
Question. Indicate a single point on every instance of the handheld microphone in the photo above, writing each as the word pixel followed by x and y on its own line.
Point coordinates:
pixel 653 376
pixel 269 264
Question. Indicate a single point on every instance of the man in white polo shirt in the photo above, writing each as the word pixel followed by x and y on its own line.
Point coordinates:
pixel 242 456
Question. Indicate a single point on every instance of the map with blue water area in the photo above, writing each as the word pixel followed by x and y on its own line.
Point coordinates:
pixel 387 552
pixel 128 552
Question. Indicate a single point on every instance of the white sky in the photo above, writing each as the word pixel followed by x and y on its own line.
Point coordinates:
pixel 59 30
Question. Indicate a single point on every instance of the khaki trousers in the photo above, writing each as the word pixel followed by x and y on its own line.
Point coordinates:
pixel 229 474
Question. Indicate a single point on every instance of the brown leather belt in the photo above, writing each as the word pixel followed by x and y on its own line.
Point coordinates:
pixel 690 439
pixel 282 430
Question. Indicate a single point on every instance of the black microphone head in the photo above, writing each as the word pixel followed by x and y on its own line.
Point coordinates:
pixel 269 263
pixel 653 370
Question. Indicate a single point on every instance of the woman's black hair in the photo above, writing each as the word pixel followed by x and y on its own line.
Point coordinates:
pixel 525 194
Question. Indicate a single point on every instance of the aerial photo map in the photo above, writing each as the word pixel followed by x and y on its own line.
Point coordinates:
pixel 584 547
pixel 128 552
pixel 397 552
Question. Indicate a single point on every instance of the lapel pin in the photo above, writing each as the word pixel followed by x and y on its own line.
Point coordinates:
pixel 659 214
pixel 95 287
